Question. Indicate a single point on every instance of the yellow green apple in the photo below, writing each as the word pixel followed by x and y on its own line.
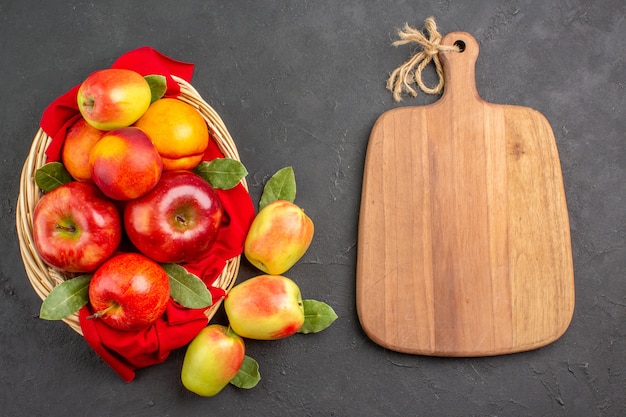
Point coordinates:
pixel 279 236
pixel 212 360
pixel 112 98
pixel 265 307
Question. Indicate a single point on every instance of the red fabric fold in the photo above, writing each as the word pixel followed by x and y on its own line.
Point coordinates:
pixel 147 61
pixel 127 351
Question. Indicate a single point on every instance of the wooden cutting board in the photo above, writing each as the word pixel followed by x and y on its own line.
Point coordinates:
pixel 464 241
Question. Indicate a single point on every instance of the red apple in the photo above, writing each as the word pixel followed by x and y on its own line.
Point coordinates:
pixel 129 292
pixel 75 227
pixel 266 307
pixel 112 98
pixel 125 164
pixel 212 359
pixel 177 221
pixel 279 236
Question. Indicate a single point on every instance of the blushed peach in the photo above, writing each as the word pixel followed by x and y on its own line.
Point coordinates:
pixel 124 164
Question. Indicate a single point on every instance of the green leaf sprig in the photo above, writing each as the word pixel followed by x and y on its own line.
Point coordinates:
pixel 66 298
pixel 158 86
pixel 317 316
pixel 248 375
pixel 51 175
pixel 221 173
pixel 281 186
pixel 187 289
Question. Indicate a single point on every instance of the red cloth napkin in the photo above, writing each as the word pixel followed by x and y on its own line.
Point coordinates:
pixel 127 351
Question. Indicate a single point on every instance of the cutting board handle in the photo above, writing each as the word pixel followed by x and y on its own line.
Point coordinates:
pixel 459 67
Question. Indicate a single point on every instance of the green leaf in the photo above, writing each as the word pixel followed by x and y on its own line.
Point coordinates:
pixel 158 86
pixel 51 175
pixel 281 186
pixel 317 316
pixel 248 375
pixel 221 173
pixel 66 298
pixel 187 289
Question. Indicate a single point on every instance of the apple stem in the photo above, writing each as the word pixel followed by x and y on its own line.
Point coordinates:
pixel 70 229
pixel 101 313
pixel 88 102
pixel 229 331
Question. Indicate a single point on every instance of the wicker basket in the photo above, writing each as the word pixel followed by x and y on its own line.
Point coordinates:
pixel 42 277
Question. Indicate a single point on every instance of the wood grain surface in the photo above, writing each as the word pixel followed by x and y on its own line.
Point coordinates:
pixel 464 241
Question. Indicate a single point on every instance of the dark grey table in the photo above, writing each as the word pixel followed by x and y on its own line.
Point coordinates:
pixel 300 83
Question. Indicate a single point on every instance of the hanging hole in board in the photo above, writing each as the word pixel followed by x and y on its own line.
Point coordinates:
pixel 460 44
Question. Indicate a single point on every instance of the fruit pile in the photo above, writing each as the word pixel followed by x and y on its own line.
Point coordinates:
pixel 265 307
pixel 132 200
pixel 130 194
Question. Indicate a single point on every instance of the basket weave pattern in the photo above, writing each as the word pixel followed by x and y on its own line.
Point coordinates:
pixel 44 278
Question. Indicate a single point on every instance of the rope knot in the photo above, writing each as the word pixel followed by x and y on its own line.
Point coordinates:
pixel 410 71
pixel 431 49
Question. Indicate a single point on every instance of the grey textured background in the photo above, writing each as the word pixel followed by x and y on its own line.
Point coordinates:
pixel 301 83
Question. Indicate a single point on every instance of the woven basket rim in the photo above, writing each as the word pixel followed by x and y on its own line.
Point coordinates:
pixel 44 278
